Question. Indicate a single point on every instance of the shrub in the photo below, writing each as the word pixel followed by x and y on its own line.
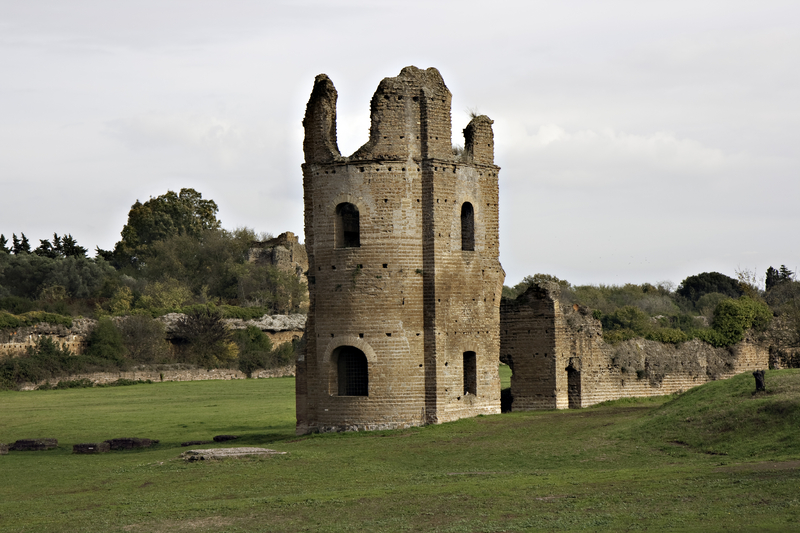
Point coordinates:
pixel 144 339
pixel 733 317
pixel 667 335
pixel 630 318
pixel 9 321
pixel 105 342
pixel 256 351
pixel 618 335
pixel 16 304
pixel 43 361
pixel 205 338
pixel 74 384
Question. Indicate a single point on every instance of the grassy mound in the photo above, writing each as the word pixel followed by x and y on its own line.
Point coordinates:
pixel 728 418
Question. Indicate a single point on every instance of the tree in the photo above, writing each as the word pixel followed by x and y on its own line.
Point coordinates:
pixel 20 247
pixel 4 244
pixel 45 249
pixel 68 246
pixel 775 276
pixel 693 287
pixel 26 275
pixel 184 213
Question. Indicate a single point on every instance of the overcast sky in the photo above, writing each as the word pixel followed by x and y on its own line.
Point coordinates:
pixel 639 141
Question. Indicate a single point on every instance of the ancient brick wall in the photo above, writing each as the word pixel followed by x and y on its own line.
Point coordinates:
pixel 559 359
pixel 399 290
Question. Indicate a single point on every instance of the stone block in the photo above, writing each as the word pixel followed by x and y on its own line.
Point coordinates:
pixel 100 447
pixel 130 443
pixel 34 445
pixel 3 449
pixel 196 442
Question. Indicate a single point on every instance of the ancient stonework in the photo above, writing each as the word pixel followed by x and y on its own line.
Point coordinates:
pixel 404 276
pixel 92 447
pixel 15 342
pixel 34 445
pixel 284 252
pixel 559 359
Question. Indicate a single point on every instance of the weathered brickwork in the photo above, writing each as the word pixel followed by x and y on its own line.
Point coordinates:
pixel 402 244
pixel 284 252
pixel 559 359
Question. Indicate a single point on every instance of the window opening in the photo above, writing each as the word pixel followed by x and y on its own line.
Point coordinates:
pixel 470 373
pixel 352 372
pixel 467 227
pixel 347 226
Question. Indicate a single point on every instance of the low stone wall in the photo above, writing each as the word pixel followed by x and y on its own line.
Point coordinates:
pixel 279 328
pixel 167 374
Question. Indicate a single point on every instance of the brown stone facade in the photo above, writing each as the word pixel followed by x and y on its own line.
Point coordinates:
pixel 559 359
pixel 403 266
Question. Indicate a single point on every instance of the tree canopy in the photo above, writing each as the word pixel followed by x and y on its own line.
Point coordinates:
pixel 169 215
pixel 694 287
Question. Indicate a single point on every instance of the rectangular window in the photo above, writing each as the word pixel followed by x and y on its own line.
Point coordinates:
pixel 470 373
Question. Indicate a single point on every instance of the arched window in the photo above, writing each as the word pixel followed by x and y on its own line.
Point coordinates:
pixel 467 227
pixel 470 373
pixel 347 226
pixel 352 372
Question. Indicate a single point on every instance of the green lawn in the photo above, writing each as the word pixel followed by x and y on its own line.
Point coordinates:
pixel 628 465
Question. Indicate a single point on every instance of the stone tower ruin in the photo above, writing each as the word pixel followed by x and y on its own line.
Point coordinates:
pixel 403 268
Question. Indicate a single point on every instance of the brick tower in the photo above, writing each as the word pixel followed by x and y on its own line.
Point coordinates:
pixel 403 267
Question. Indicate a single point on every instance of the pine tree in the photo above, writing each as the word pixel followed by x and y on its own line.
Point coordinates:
pixel 25 246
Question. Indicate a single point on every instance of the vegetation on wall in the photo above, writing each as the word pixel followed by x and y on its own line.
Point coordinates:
pixel 713 307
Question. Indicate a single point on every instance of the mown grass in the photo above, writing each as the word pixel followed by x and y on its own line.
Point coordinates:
pixel 628 465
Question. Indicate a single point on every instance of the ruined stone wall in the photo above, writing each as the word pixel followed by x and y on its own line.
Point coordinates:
pixel 167 373
pixel 406 296
pixel 284 252
pixel 14 342
pixel 279 328
pixel 531 329
pixel 559 359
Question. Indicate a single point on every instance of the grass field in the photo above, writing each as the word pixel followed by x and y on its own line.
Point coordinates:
pixel 716 458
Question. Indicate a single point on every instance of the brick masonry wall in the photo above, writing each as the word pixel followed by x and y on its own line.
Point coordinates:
pixel 559 359
pixel 407 297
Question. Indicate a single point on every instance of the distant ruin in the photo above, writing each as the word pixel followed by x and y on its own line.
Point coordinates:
pixel 283 252
pixel 559 359
pixel 403 269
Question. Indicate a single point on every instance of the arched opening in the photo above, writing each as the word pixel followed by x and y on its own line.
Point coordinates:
pixel 467 227
pixel 574 384
pixel 347 226
pixel 470 373
pixel 352 372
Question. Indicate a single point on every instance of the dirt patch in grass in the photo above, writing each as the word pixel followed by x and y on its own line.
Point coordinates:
pixel 766 465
